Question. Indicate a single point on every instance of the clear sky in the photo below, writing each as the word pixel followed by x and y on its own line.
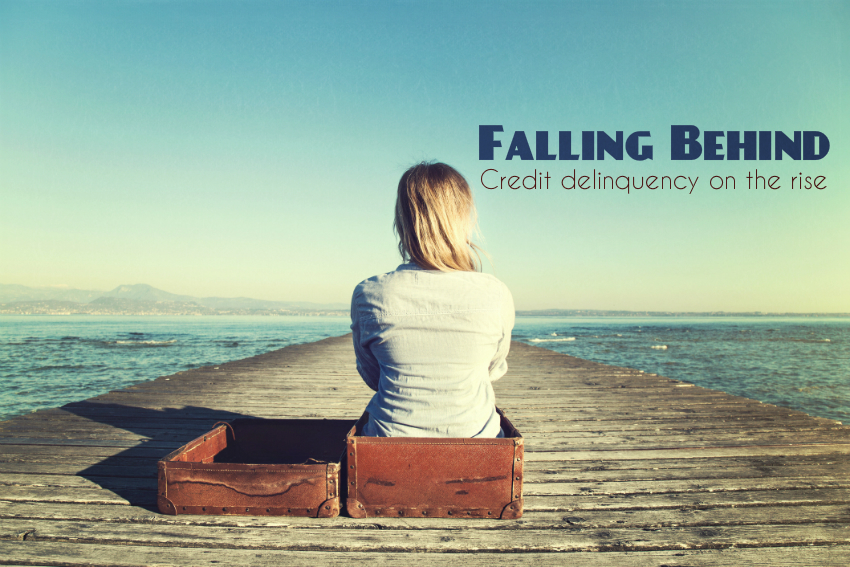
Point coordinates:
pixel 253 149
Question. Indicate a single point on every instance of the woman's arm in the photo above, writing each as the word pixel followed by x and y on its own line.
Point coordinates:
pixel 498 366
pixel 367 364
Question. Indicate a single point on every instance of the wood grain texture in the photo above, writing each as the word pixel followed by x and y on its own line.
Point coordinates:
pixel 622 468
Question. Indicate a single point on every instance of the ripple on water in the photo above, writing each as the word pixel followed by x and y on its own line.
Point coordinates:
pixel 791 363
pixel 50 361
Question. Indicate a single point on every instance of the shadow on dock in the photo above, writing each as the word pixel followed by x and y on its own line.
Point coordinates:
pixel 132 473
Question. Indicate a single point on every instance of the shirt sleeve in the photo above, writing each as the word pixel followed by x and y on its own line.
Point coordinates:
pixel 367 364
pixel 499 366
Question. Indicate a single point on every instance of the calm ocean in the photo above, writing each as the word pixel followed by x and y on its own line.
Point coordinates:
pixel 801 363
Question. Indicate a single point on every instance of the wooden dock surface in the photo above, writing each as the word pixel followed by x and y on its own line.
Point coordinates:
pixel 622 468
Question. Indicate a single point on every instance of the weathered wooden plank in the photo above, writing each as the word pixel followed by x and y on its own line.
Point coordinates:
pixel 95 555
pixel 141 469
pixel 706 472
pixel 63 442
pixel 554 428
pixel 644 518
pixel 132 430
pixel 128 417
pixel 692 499
pixel 80 496
pixel 458 541
pixel 74 482
pixel 691 452
pixel 168 442
pixel 104 454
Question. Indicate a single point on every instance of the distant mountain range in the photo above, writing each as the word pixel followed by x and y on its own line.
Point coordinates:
pixel 142 299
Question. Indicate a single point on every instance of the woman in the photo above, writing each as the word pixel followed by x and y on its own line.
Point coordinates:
pixel 431 336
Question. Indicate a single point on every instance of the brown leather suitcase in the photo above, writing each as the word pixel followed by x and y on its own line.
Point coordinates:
pixel 434 477
pixel 257 467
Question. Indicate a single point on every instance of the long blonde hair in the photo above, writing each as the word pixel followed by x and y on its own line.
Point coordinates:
pixel 435 219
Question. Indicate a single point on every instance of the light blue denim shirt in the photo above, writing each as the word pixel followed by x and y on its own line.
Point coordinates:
pixel 430 343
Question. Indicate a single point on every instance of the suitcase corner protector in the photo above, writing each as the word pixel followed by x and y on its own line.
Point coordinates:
pixel 355 509
pixel 512 511
pixel 329 508
pixel 166 506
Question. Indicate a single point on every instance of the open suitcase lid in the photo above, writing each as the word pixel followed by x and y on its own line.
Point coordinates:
pixel 249 441
pixel 278 467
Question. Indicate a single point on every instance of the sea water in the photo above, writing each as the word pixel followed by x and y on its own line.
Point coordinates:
pixel 48 361
pixel 800 363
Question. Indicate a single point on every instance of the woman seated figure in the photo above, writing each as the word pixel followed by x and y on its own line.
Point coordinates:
pixel 431 336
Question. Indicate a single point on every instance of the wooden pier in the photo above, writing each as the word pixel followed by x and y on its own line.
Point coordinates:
pixel 622 468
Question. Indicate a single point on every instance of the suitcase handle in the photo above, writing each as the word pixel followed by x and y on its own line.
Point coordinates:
pixel 227 425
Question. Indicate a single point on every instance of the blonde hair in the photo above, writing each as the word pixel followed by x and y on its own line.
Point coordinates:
pixel 435 219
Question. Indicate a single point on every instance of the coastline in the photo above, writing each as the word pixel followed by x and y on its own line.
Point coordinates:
pixel 158 310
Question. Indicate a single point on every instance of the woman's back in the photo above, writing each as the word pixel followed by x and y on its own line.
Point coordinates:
pixel 430 342
pixel 432 335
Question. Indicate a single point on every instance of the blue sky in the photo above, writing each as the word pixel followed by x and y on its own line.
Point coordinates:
pixel 253 149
